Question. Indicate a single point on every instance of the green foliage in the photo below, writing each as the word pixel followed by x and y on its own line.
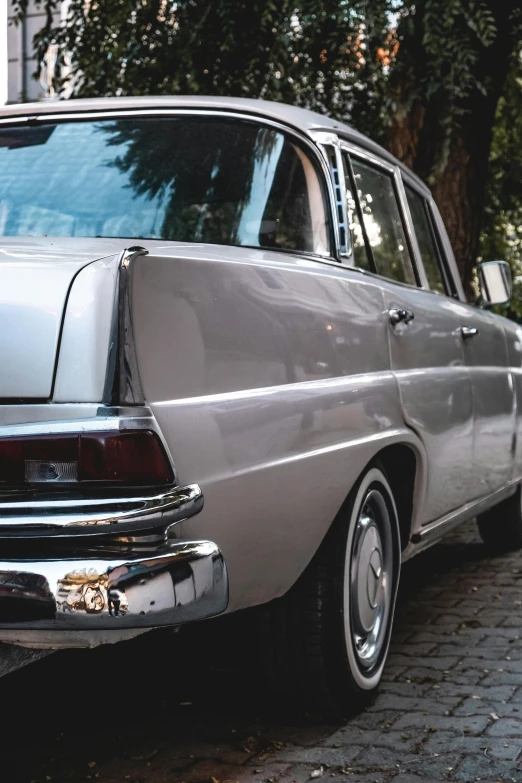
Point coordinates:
pixel 317 53
pixel 502 229
pixel 335 56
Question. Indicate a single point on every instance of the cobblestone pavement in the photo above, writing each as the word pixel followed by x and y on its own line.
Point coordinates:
pixel 450 706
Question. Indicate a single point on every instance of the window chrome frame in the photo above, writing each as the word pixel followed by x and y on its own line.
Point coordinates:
pixel 325 139
pixel 333 256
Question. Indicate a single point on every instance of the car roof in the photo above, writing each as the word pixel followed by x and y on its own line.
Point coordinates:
pixel 293 116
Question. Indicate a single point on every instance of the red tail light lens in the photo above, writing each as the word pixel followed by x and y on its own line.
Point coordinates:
pixel 133 458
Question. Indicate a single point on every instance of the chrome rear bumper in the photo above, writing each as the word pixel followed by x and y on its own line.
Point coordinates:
pixel 178 582
pixel 106 563
pixel 54 516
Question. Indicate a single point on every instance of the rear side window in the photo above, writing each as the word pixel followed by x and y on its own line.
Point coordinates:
pixel 383 223
pixel 425 240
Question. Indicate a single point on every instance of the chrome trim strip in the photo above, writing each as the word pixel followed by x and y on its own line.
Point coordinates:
pixel 103 423
pixel 177 583
pixel 434 531
pixel 54 516
pixel 122 380
pixel 330 140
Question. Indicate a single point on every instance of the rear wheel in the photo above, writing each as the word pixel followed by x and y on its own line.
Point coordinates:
pixel 329 635
pixel 501 527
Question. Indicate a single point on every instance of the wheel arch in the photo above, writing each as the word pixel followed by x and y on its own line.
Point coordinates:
pixel 400 465
pixel 404 469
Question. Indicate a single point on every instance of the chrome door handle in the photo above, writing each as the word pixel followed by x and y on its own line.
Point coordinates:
pixel 468 331
pixel 398 316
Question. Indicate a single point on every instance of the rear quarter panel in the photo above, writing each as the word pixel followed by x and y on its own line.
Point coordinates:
pixel 270 378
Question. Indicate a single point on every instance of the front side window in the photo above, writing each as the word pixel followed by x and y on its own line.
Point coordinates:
pixel 382 222
pixel 425 240
pixel 189 179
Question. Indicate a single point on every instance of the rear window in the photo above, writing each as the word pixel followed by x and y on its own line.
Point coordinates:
pixel 188 179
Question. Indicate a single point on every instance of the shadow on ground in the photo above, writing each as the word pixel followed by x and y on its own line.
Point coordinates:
pixel 185 708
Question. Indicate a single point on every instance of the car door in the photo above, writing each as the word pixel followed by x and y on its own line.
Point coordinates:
pixel 485 354
pixel 494 402
pixel 425 344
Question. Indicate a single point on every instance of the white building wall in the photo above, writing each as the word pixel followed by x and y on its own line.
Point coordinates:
pixel 21 63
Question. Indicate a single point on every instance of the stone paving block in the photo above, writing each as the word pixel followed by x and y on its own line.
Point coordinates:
pixel 383 759
pixel 431 706
pixel 500 632
pixel 332 757
pixel 408 689
pixel 475 766
pixel 464 651
pixel 352 735
pixel 392 672
pixel 447 639
pixel 407 778
pixel 517 695
pixel 432 677
pixel 421 675
pixel 488 706
pixel 504 693
pixel 445 743
pixel 396 763
pixel 382 720
pixel 478 663
pixel 501 678
pixel 402 742
pixel 204 771
pixel 474 724
pixel 447 621
pixel 301 773
pixel 412 649
pixel 308 734
pixel 505 727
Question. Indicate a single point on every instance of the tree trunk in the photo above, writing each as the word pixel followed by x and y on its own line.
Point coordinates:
pixel 457 174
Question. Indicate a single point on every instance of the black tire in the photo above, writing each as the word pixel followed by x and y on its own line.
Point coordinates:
pixel 501 527
pixel 307 644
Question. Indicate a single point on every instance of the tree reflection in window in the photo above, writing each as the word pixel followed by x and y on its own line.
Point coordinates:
pixel 425 240
pixel 360 256
pixel 383 224
pixel 224 182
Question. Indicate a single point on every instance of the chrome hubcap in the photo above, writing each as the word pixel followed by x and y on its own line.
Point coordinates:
pixel 371 576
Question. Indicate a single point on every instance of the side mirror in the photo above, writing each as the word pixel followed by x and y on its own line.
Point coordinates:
pixel 495 282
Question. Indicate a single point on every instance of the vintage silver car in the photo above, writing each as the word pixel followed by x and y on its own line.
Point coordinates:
pixel 256 304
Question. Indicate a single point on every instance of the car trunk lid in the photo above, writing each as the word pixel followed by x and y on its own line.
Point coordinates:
pixel 35 279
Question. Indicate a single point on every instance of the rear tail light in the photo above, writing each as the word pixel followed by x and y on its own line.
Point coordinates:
pixel 135 458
